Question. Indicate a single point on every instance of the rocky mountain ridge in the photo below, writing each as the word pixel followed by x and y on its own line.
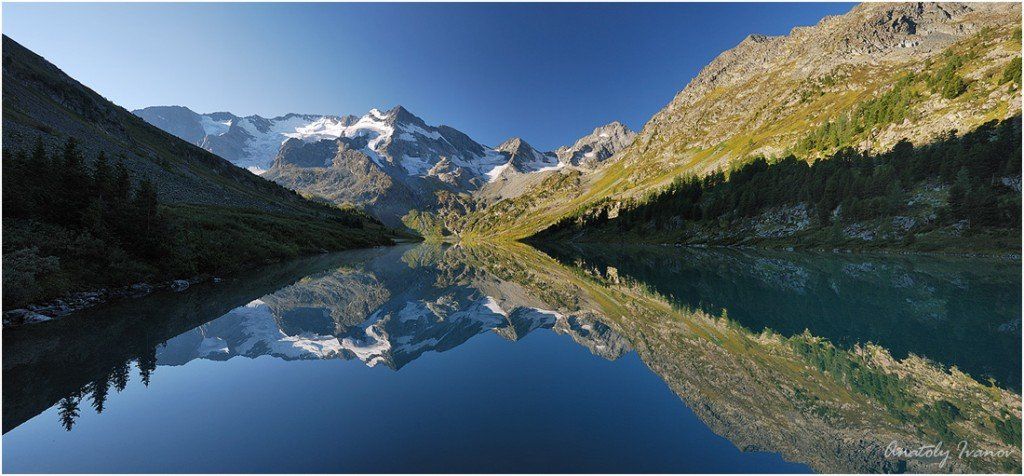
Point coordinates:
pixel 389 162
pixel 600 145
pixel 869 37
pixel 250 142
pixel 882 67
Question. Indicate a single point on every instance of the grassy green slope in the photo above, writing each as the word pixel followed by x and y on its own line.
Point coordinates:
pixel 788 113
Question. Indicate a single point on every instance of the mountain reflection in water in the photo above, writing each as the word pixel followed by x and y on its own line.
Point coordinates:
pixel 955 311
pixel 698 319
pixel 379 314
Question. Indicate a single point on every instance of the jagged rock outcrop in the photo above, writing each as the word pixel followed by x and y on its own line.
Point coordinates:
pixel 593 149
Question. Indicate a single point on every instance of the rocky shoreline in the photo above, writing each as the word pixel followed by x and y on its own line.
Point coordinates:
pixel 78 301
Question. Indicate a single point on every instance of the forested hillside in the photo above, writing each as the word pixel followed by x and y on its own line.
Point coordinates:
pixel 95 197
pixel 960 193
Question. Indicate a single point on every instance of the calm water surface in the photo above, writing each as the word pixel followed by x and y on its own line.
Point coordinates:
pixel 428 358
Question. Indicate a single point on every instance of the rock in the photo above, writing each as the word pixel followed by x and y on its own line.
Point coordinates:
pixel 860 232
pixel 32 318
pixel 15 317
pixel 23 316
pixel 179 285
pixel 141 289
pixel 57 308
pixel 782 221
pixel 89 298
pixel 903 224
pixel 1012 182
pixel 590 151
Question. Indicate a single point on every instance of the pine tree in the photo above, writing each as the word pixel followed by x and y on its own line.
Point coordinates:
pixel 102 177
pixel 146 202
pixel 73 186
pixel 120 375
pixel 39 170
pixel 147 364
pixel 67 410
pixel 100 388
pixel 958 196
pixel 122 187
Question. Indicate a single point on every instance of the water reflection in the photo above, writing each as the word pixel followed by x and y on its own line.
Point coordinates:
pixel 69 359
pixel 379 314
pixel 955 311
pixel 386 306
pixel 697 319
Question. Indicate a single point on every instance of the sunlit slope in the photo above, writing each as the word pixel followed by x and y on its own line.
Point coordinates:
pixel 865 80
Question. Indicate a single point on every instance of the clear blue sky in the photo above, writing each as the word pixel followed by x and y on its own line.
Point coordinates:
pixel 546 72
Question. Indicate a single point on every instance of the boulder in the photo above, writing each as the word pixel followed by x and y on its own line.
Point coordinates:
pixel 141 289
pixel 16 317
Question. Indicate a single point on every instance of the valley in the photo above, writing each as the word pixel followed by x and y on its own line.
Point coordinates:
pixel 390 163
pixel 882 77
pixel 892 127
pixel 807 260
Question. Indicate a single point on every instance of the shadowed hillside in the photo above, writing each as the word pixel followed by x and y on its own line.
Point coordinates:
pixel 96 197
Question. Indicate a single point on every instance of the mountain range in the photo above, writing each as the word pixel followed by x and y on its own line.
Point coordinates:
pixel 884 75
pixel 42 102
pixel 762 98
pixel 388 162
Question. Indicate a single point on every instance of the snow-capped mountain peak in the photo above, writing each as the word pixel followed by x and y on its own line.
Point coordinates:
pixel 390 161
pixel 523 158
pixel 250 142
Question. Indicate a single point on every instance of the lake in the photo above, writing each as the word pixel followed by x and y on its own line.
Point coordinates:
pixel 503 358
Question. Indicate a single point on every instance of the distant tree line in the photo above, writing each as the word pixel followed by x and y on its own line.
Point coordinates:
pixel 850 186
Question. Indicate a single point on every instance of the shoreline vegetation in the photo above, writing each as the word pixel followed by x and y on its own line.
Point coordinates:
pixel 97 199
pixel 94 215
pixel 81 235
